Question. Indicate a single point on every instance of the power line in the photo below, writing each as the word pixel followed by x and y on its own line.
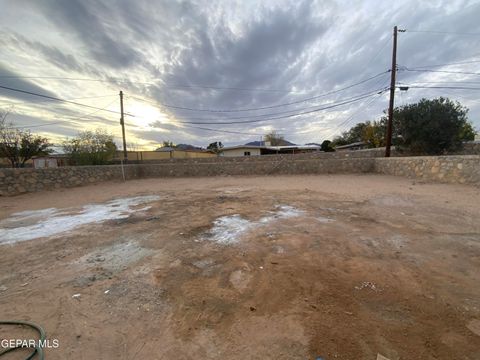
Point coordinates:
pixel 442 87
pixel 58 99
pixel 348 120
pixel 222 131
pixel 440 71
pixel 441 82
pixel 75 98
pixel 365 106
pixel 270 114
pixel 447 64
pixel 113 79
pixel 387 40
pixel 443 32
pixel 58 122
pixel 265 107
pixel 226 88
pixel 250 134
pixel 286 116
pixel 50 78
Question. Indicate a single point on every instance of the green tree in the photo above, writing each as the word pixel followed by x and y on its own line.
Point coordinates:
pixel 467 133
pixel 275 139
pixel 431 127
pixel 90 148
pixel 326 146
pixel 215 146
pixel 168 143
pixel 355 134
pixel 374 133
pixel 19 146
pixel 340 139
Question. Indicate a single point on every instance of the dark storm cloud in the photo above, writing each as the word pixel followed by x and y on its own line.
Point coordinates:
pixel 92 24
pixel 266 56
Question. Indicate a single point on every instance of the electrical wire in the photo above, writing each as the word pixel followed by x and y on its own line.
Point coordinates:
pixel 270 114
pixel 442 32
pixel 365 106
pixel 442 87
pixel 441 82
pixel 226 88
pixel 286 116
pixel 264 107
pixel 255 134
pixel 348 120
pixel 222 131
pixel 59 122
pixel 447 64
pixel 439 71
pixel 61 100
pixel 47 100
pixel 113 79
pixel 387 40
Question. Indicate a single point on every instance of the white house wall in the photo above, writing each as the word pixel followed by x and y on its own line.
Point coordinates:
pixel 240 152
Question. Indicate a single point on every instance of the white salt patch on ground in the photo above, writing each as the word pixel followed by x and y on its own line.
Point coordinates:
pixel 324 220
pixel 397 240
pixel 115 257
pixel 29 225
pixel 228 229
pixel 283 212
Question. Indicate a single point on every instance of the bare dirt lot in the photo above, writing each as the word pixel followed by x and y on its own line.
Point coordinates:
pixel 291 267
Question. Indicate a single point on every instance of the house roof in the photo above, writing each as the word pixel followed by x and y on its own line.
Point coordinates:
pixel 165 149
pixel 242 147
pixel 286 147
pixel 360 143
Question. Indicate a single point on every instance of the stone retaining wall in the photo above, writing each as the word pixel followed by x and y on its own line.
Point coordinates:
pixel 366 153
pixel 282 166
pixel 470 148
pixel 450 169
pixel 463 169
pixel 18 181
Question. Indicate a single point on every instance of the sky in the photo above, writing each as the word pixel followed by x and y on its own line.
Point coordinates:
pixel 201 71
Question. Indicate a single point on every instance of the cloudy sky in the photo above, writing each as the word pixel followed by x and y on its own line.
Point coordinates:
pixel 202 71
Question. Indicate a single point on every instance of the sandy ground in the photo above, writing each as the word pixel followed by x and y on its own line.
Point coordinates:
pixel 291 267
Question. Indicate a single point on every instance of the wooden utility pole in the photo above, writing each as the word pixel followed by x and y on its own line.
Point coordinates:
pixel 388 143
pixel 122 122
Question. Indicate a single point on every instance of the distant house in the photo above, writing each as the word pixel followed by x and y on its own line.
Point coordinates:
pixel 353 146
pixel 165 149
pixel 179 153
pixel 164 153
pixel 282 142
pixel 255 150
pixel 241 150
pixel 49 161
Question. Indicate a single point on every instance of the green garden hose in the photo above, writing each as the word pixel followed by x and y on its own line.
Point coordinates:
pixel 37 349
